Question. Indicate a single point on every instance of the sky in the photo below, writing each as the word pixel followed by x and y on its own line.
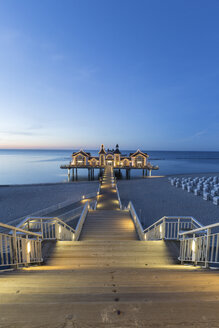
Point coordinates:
pixel 143 74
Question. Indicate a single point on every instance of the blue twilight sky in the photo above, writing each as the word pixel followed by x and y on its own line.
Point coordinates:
pixel 79 73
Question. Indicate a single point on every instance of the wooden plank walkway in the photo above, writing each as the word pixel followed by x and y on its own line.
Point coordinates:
pixel 110 279
pixel 108 199
pixel 108 222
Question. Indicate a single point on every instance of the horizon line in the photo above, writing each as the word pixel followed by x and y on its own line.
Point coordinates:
pixel 70 149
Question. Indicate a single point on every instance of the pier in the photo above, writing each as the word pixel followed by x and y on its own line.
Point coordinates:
pixel 114 158
pixel 107 274
pixel 109 271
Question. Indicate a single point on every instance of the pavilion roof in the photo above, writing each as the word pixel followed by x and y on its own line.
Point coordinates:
pixel 139 152
pixel 82 152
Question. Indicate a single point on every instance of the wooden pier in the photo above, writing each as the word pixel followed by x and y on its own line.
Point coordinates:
pixel 109 278
pixel 73 171
pixel 114 158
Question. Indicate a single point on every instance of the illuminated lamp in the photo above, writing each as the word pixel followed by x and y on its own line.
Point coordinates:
pixel 193 245
pixel 28 247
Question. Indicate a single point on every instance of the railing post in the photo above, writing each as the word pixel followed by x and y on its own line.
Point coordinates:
pixel 194 249
pixel 182 248
pixel 27 250
pixel 164 228
pixel 207 248
pixel 41 227
pixel 178 229
pixel 15 255
pixel 57 234
pixel 38 247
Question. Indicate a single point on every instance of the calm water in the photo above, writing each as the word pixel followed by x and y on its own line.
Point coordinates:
pixel 41 166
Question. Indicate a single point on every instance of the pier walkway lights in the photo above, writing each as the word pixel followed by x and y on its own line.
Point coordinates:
pixel 60 228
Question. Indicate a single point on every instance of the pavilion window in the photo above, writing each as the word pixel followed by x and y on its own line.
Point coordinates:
pixel 80 160
pixel 139 161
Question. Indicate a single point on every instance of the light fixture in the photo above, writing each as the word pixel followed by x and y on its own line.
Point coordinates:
pixel 28 247
pixel 193 245
pixel 160 228
pixel 60 228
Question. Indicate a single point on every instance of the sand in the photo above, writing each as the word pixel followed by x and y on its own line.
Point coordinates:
pixel 154 198
pixel 18 201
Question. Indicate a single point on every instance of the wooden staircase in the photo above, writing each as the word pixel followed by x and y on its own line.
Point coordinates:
pixel 108 225
pixel 113 254
pixel 109 279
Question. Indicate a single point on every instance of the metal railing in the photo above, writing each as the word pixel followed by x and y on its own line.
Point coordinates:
pixel 120 203
pixel 50 228
pixel 72 214
pixel 53 208
pixel 19 247
pixel 136 221
pixel 55 228
pixel 200 245
pixel 91 195
pixel 23 244
pixel 169 227
pixel 81 221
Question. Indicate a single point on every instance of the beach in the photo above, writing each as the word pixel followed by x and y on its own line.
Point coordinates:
pixel 23 200
pixel 154 198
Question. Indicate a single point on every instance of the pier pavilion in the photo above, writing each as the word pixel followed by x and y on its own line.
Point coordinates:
pixel 137 160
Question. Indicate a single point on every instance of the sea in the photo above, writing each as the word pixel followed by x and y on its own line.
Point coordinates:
pixel 43 166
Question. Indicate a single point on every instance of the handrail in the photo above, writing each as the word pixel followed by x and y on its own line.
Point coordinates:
pixel 136 221
pixel 50 227
pixel 49 219
pixel 72 214
pixel 170 227
pixel 10 227
pixel 91 195
pixel 52 208
pixel 19 247
pixel 81 221
pixel 210 226
pixel 120 203
pixel 155 223
pixel 173 218
pixel 202 248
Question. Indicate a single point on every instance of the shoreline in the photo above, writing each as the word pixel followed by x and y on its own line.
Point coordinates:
pixel 95 181
pixel 46 183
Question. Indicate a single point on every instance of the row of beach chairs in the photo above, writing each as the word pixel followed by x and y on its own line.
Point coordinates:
pixel 207 187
